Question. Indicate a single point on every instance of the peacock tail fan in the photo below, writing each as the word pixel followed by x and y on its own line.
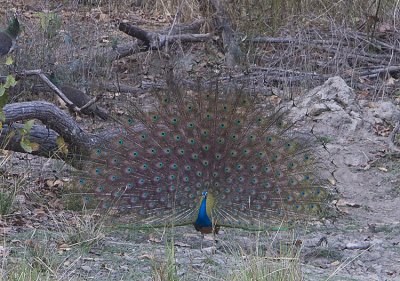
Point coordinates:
pixel 251 163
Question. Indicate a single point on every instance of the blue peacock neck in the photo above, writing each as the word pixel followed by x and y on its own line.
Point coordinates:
pixel 203 221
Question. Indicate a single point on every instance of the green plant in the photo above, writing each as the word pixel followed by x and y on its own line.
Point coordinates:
pixel 9 188
pixel 166 271
pixel 87 231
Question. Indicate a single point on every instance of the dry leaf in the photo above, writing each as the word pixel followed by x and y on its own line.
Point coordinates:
pixel 146 257
pixel 383 169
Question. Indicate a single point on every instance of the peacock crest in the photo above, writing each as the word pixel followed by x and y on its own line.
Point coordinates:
pixel 207 159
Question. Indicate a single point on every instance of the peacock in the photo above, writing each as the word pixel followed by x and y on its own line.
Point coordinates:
pixel 9 36
pixel 208 159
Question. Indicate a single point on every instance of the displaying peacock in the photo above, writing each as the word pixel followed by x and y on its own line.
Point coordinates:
pixel 9 36
pixel 206 159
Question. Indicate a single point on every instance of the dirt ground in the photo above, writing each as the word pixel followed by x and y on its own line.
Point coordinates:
pixel 360 242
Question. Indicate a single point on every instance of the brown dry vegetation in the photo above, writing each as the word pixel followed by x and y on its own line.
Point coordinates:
pixel 286 48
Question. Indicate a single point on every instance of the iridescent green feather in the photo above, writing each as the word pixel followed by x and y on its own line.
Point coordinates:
pixel 255 169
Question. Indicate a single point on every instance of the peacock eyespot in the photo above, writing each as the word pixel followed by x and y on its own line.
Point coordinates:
pixel 206 147
pixel 130 121
pixel 167 150
pixel 143 136
pixel 163 134
pixel 141 181
pixel 205 163
pixel 199 173
pixel 129 186
pixel 120 141
pixel 191 141
pixel 218 156
pixel 160 164
pixel 82 181
pixel 144 166
pixel 128 170
pixel 269 139
pixel 186 179
pixel 177 137
pixel 98 171
pixel 215 174
pixel 181 151
pixel 155 117
pixel 171 177
pixel 187 167
pixel 174 121
pixel 135 154
pixel 157 178
pixel 174 166
pixel 117 194
pixel 234 137
pixel 195 156
pixel 239 167
pixel 98 151
pixel 190 125
pixel 222 125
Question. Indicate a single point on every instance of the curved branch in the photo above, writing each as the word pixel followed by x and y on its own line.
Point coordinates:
pixel 56 123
